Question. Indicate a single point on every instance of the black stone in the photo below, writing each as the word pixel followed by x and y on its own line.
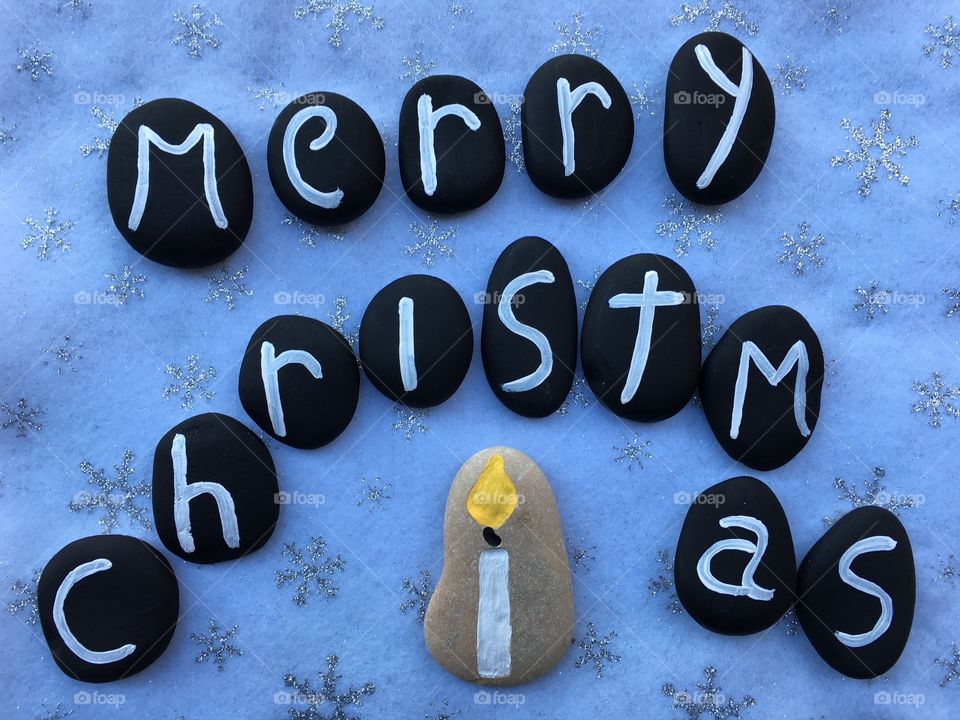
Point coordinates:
pixel 549 308
pixel 777 571
pixel 769 435
pixel 315 411
pixel 827 604
pixel 352 161
pixel 177 227
pixel 136 601
pixel 442 334
pixel 469 162
pixel 219 450
pixel 697 112
pixel 603 137
pixel 609 335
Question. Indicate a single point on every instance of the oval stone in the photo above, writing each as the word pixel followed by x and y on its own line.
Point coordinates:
pixel 718 121
pixel 108 606
pixel 735 570
pixel 576 126
pixel 178 184
pixel 299 381
pixel 215 494
pixel 529 338
pixel 450 147
pixel 856 592
pixel 326 159
pixel 502 611
pixel 416 341
pixel 640 343
pixel 760 386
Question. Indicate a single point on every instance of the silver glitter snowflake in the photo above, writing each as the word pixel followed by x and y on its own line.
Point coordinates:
pixel 953 297
pixel 710 328
pixel 801 253
pixel 419 595
pixel 47 234
pixel 596 650
pixel 312 572
pixel 58 713
pixel 726 13
pixel 373 492
pixel 952 209
pixel 35 62
pixel 25 600
pixel 125 285
pixel 440 710
pixel 416 67
pixel 687 225
pixel 513 136
pixel 575 38
pixel 791 623
pixel 196 30
pixel 22 417
pixel 790 75
pixel 189 382
pixel 936 399
pixel 874 493
pixel 834 15
pixel 645 100
pixel 6 134
pixel 106 122
pixel 708 699
pixel 310 235
pixel 216 644
pixel 339 13
pixel 582 553
pixel 663 583
pixel 578 397
pixel 113 497
pixel 588 285
pixel 947 570
pixel 410 421
pixel 872 300
pixel 431 242
pixel 228 286
pixel 944 41
pixel 875 152
pixel 338 320
pixel 633 452
pixel 78 8
pixel 267 96
pixel 64 354
pixel 326 702
pixel 950 663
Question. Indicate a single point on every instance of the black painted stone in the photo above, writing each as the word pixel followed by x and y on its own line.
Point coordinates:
pixel 442 334
pixel 696 113
pixel 608 337
pixel 136 601
pixel 177 227
pixel 604 137
pixel 769 436
pixel 826 604
pixel 224 451
pixel 550 308
pixel 469 162
pixel 777 571
pixel 353 161
pixel 315 411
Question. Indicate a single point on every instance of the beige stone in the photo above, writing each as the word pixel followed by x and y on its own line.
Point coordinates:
pixel 541 596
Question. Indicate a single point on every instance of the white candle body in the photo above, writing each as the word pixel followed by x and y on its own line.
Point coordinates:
pixel 493 614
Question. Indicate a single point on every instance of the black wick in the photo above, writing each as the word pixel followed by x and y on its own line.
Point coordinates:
pixel 491 537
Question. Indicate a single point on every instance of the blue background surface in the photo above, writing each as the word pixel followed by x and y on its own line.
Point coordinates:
pixel 111 399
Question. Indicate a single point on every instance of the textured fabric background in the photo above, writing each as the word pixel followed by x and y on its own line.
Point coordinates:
pixel 620 487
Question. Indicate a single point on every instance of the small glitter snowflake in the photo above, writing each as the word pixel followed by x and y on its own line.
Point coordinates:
pixel 189 381
pixel 47 234
pixel 596 650
pixel 952 207
pixel 874 152
pixel 645 100
pixel 25 600
pixel 789 75
pixel 633 452
pixel 728 12
pixel 872 300
pixel 801 252
pixel 227 286
pixel 834 15
pixel 215 643
pixel 936 399
pixel 688 225
pixel 588 285
pixel 431 242
pixel 874 493
pixel 947 570
pixel 113 497
pixel 578 397
pixel 582 553
pixel 64 354
pixel 417 67
pixel 710 328
pixel 196 30
pixel 58 713
pixel 6 134
pixel 944 41
pixel 663 584
pixel 953 298
pixel 267 96
pixel 338 320
pixel 410 421
pixel 419 595
pixel 310 234
pixel 311 573
pixel 327 696
pixel 22 417
pixel 951 664
pixel 441 710
pixel 513 137
pixel 373 492
pixel 707 699
pixel 125 285
pixel 575 38
pixel 79 8
pixel 35 62
pixel 106 122
pixel 339 12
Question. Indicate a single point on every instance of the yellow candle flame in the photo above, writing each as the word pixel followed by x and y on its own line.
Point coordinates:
pixel 493 497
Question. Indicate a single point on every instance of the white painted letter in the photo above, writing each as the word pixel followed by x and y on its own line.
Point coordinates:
pixel 877 543
pixel 505 312
pixel 797 354
pixel 270 365
pixel 408 361
pixel 748 586
pixel 428 118
pixel 328 200
pixel 493 614
pixel 183 493
pixel 567 102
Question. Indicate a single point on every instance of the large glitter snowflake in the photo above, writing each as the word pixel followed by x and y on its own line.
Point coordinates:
pixel 633 452
pixel 196 30
pixel 874 493
pixel 227 286
pixel 339 13
pixel 728 13
pixel 575 38
pixel 312 572
pixel 935 399
pixel 662 583
pixel 25 600
pixel 944 41
pixel 47 234
pixel 125 285
pixel 596 650
pixel 416 67
pixel 801 252
pixel 875 152
pixel 431 243
pixel 872 300
pixel 328 697
pixel 189 382
pixel 22 417
pixel 419 595
pixel 35 62
pixel 216 644
pixel 686 225
pixel 708 699
pixel 113 497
